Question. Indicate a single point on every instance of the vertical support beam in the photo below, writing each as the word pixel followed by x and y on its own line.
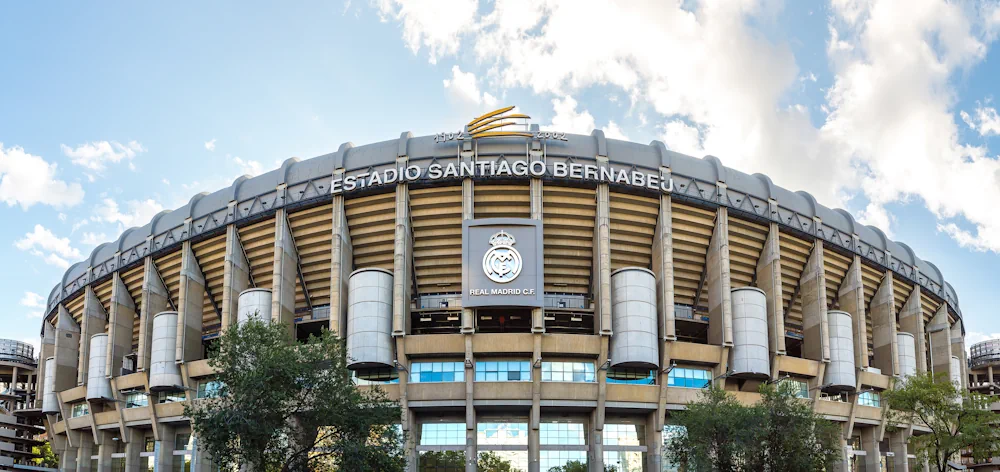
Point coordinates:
pixel 869 442
pixel 48 349
pixel 852 300
pixel 286 262
pixel 341 265
pixel 191 306
pixel 154 300
pixel 769 280
pixel 602 259
pixel 812 289
pixel 535 190
pixel 720 306
pixel 84 451
pixel 911 320
pixel 104 451
pixel 67 350
pixel 135 443
pixel 538 330
pixel 883 311
pixel 468 213
pixel 401 262
pixel 94 318
pixel 235 276
pixel 958 350
pixel 663 268
pixel 164 449
pixel 122 318
pixel 67 458
pixel 939 334
pixel 897 444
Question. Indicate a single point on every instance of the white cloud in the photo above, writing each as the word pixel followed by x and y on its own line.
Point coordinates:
pixel 613 131
pixel 34 301
pixel 137 213
pixel 248 166
pixel 26 180
pixel 62 217
pixel 210 145
pixel 683 138
pixel 96 155
pixel 431 24
pixel 986 122
pixel 973 337
pixel 463 88
pixel 52 249
pixel 165 182
pixel 877 216
pixel 79 224
pixel 93 239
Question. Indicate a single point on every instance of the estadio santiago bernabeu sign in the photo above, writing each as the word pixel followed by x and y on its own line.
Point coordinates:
pixel 502 262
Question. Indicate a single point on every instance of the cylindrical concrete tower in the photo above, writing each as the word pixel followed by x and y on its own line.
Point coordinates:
pixel 369 319
pixel 163 371
pixel 907 355
pixel 956 371
pixel 840 375
pixel 98 385
pixel 633 319
pixel 50 403
pixel 749 356
pixel 255 302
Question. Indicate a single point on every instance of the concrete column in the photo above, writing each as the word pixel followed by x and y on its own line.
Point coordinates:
pixel 286 263
pixel 235 276
pixel 164 450
pixel 191 306
pixel 401 262
pixel 534 421
pixel 407 418
pixel 536 189
pixel 958 349
pixel 595 456
pixel 201 461
pixel 654 443
pixel 155 299
pixel 852 300
pixel 720 307
pixel 897 444
pixel 842 463
pixel 884 327
pixel 468 213
pixel 134 447
pixel 812 292
pixel 663 268
pixel 67 459
pixel 341 265
pixel 94 318
pixel 602 261
pixel 104 451
pixel 48 348
pixel 84 452
pixel 911 320
pixel 869 442
pixel 67 350
pixel 122 318
pixel 939 333
pixel 769 280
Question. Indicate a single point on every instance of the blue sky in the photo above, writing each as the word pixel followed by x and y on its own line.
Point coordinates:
pixel 112 112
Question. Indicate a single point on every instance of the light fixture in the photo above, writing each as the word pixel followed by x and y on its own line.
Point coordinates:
pixel 398 366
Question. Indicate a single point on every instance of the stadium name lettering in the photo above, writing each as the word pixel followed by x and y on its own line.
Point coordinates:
pixel 479 292
pixel 503 168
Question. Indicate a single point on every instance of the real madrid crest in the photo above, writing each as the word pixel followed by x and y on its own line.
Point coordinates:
pixel 502 263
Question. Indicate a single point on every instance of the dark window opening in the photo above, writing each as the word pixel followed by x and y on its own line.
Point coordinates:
pixel 511 320
pixel 308 328
pixel 436 320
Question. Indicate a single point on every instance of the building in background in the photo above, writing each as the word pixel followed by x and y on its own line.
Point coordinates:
pixel 984 357
pixel 20 422
pixel 546 297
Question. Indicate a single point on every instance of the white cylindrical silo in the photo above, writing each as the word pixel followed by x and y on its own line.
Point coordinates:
pixel 255 302
pixel 163 371
pixel 369 319
pixel 907 353
pixel 956 371
pixel 749 357
pixel 840 373
pixel 633 319
pixel 50 404
pixel 98 385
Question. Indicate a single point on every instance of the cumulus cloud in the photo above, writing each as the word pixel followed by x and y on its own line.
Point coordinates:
pixel 34 301
pixel 431 24
pixel 136 212
pixel 27 180
pixel 52 249
pixel 210 145
pixel 96 155
pixel 463 88
pixel 986 122
pixel 568 119
pixel 93 239
pixel 247 166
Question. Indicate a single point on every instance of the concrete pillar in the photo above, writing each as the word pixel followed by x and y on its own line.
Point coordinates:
pixel 869 442
pixel 402 262
pixel 852 300
pixel 911 320
pixel 105 449
pixel 67 350
pixel 663 268
pixel 191 306
pixel 93 321
pixel 407 419
pixel 134 447
pixel 769 280
pixel 812 293
pixel 535 190
pixel 939 334
pixel 341 265
pixel 286 263
pixel 84 452
pixel 468 213
pixel 155 299
pixel 235 276
pixel 48 348
pixel 67 459
pixel 883 310
pixel 595 456
pixel 654 443
pixel 897 444
pixel 720 307
pixel 958 349
pixel 164 450
pixel 538 328
pixel 602 261
pixel 201 461
pixel 842 463
pixel 122 319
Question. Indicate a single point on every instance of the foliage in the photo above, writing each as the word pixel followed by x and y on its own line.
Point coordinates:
pixel 287 406
pixel 780 433
pixel 442 460
pixel 492 462
pixel 48 458
pixel 958 419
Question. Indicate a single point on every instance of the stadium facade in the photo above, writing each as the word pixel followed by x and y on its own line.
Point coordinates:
pixel 539 296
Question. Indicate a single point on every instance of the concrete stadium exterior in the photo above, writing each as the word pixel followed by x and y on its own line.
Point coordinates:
pixel 544 296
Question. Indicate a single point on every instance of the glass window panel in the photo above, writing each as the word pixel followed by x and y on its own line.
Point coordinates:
pixel 632 376
pixel 182 442
pixel 136 400
pixel 149 445
pixel 503 461
pixel 441 461
pixel 565 460
pixel 688 377
pixel 502 434
pixel 870 399
pixel 624 435
pixel 568 372
pixel 437 372
pixel 503 371
pixel 182 463
pixel 623 461
pixel 562 434
pixel 442 434
pixel 385 375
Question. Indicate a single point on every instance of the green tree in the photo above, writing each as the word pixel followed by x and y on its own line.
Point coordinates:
pixel 287 406
pixel 435 461
pixel 715 433
pixel 48 458
pixel 492 462
pixel 957 419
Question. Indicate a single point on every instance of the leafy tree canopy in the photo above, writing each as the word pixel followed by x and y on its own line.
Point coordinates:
pixel 287 406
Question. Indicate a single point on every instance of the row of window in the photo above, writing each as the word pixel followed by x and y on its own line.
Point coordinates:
pixel 519 371
pixel 516 434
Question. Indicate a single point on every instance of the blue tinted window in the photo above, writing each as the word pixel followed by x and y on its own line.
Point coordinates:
pixel 632 376
pixel 689 378
pixel 568 372
pixel 437 372
pixel 503 371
